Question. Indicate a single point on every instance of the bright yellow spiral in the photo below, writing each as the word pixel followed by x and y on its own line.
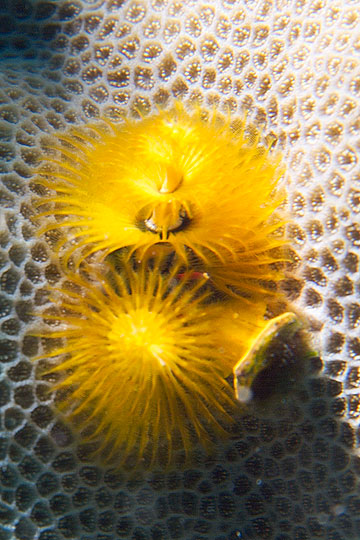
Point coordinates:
pixel 146 355
pixel 198 185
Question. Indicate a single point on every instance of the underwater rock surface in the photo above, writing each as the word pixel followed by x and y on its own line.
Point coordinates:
pixel 290 469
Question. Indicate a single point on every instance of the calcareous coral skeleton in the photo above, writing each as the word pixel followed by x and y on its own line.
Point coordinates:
pixel 290 469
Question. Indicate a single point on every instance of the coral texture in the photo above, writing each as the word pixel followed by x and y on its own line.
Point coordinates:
pixel 291 467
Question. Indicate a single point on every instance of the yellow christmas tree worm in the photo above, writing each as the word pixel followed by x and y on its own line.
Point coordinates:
pixel 177 178
pixel 146 355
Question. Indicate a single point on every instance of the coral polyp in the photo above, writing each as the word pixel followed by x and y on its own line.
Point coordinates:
pixel 143 357
pixel 178 178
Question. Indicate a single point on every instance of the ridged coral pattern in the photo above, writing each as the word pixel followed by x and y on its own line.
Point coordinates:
pixel 291 469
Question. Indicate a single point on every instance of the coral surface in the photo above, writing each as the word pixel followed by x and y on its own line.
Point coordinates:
pixel 291 467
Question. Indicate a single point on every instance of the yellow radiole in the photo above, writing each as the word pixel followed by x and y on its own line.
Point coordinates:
pixel 172 228
pixel 196 183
